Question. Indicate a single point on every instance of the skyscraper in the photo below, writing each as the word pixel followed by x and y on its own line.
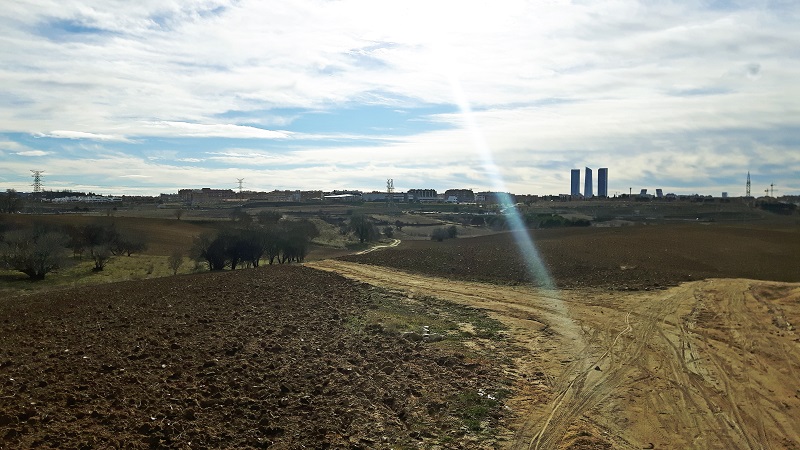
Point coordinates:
pixel 602 182
pixel 575 187
pixel 587 184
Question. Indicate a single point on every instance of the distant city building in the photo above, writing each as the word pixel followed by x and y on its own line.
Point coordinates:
pixel 377 196
pixel 602 182
pixel 422 195
pixel 495 198
pixel 205 195
pixel 659 193
pixel 587 184
pixel 575 183
pixel 459 196
pixel 87 199
pixel 346 197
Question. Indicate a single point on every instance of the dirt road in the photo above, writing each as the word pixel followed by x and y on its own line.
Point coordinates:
pixel 708 364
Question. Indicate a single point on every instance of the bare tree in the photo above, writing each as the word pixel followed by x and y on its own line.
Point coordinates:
pixel 178 213
pixel 127 242
pixel 100 254
pixel 363 228
pixel 10 202
pixel 175 261
pixel 34 252
pixel 211 249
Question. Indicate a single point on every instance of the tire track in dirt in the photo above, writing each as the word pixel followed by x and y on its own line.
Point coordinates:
pixel 707 364
pixel 593 385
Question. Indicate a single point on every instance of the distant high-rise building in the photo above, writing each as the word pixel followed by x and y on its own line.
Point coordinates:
pixel 602 182
pixel 575 186
pixel 587 184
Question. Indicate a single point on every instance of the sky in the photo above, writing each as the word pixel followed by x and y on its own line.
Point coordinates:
pixel 153 96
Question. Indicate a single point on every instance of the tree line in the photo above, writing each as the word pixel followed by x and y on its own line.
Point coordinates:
pixel 246 243
pixel 41 248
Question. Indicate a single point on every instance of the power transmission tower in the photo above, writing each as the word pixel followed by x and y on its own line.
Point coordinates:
pixel 241 180
pixel 772 189
pixel 37 183
pixel 748 184
pixel 389 192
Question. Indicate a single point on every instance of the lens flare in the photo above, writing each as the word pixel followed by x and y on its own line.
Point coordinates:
pixel 519 231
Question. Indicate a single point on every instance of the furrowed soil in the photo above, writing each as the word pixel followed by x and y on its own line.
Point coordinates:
pixel 677 336
pixel 633 357
pixel 278 357
pixel 619 258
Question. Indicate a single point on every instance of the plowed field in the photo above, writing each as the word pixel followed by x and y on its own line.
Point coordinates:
pixel 621 258
pixel 653 337
pixel 274 357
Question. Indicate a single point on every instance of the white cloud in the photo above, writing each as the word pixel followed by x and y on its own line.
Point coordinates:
pixel 184 129
pixel 13 147
pixel 33 153
pixel 68 134
pixel 552 83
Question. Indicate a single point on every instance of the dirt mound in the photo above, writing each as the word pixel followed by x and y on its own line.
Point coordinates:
pixel 623 258
pixel 248 359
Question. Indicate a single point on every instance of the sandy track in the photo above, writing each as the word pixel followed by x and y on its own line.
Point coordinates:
pixel 708 364
pixel 394 243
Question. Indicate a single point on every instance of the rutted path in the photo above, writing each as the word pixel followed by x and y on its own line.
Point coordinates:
pixel 394 243
pixel 708 364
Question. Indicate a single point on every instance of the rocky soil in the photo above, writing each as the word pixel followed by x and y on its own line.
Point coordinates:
pixel 275 357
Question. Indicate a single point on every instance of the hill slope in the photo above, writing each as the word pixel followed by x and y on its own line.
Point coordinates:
pixel 244 359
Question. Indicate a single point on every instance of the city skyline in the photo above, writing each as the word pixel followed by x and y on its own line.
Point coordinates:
pixel 153 97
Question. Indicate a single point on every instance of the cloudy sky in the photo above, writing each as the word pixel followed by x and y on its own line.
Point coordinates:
pixel 151 96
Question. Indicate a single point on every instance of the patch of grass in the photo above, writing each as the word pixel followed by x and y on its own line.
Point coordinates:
pixel 477 408
pixel 482 325
pixel 397 314
pixel 80 273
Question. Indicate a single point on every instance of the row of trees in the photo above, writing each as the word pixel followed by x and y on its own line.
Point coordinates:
pixel 10 202
pixel 41 249
pixel 282 241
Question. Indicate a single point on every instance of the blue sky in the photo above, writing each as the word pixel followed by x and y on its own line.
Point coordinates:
pixel 156 95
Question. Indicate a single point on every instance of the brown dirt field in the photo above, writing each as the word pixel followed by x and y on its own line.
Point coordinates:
pixel 707 364
pixel 634 353
pixel 164 236
pixel 272 357
pixel 621 258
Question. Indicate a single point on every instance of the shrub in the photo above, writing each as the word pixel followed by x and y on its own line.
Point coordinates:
pixel 439 234
pixel 452 231
pixel 34 252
